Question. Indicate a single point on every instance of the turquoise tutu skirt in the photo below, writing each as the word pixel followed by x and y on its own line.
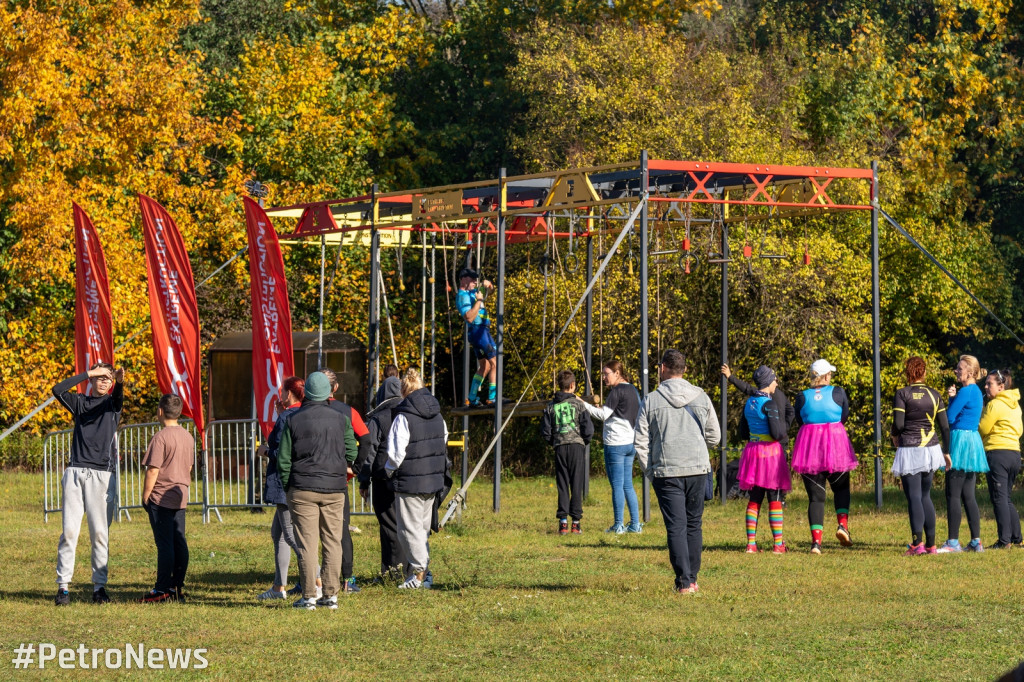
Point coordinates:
pixel 967 451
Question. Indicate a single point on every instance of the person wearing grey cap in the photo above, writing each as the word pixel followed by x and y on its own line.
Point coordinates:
pixel 779 397
pixel 763 467
pixel 317 446
pixel 822 452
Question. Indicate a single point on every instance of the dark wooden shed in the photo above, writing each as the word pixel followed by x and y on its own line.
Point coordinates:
pixel 230 384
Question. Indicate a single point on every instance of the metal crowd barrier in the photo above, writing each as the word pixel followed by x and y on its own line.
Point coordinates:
pixel 231 476
pixel 56 451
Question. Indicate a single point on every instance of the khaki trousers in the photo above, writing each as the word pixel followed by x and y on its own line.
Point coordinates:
pixel 318 517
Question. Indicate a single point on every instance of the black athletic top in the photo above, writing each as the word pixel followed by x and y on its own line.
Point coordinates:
pixel 919 418
pixel 96 420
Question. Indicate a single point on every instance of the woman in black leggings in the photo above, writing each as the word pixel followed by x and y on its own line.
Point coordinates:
pixel 919 426
pixel 1001 430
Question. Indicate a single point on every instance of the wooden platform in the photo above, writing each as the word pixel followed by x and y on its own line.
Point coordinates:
pixel 527 408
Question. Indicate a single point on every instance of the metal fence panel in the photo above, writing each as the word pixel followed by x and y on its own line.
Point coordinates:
pixel 56 453
pixel 231 476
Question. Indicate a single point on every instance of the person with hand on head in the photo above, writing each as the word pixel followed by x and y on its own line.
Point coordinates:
pixel 920 430
pixel 619 412
pixel 779 397
pixel 348 583
pixel 822 452
pixel 567 428
pixel 674 429
pixel 373 477
pixel 417 446
pixel 470 302
pixel 317 448
pixel 282 531
pixel 1001 430
pixel 966 455
pixel 169 460
pixel 87 487
pixel 763 468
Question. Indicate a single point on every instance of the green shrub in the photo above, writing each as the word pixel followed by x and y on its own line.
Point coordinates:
pixel 22 451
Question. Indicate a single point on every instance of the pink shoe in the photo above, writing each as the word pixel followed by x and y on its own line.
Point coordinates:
pixel 779 549
pixel 914 550
pixel 931 550
pixel 752 549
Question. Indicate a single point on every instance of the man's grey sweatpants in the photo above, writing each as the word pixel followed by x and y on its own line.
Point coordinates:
pixel 88 492
pixel 414 512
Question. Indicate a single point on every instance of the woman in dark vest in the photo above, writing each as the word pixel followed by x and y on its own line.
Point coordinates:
pixel 417 453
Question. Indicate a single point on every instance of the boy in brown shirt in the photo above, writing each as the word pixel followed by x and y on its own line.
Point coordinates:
pixel 168 462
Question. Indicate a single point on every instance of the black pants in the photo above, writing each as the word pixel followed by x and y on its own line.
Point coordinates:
pixel 917 488
pixel 384 509
pixel 757 494
pixel 346 541
pixel 570 477
pixel 681 499
pixel 171 549
pixel 1004 465
pixel 960 486
pixel 815 486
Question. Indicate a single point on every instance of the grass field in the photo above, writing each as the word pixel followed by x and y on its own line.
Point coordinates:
pixel 515 600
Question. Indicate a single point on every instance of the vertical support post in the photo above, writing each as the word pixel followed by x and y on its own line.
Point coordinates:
pixel 723 405
pixel 464 476
pixel 373 335
pixel 433 313
pixel 320 324
pixel 423 307
pixel 645 342
pixel 588 352
pixel 876 344
pixel 499 341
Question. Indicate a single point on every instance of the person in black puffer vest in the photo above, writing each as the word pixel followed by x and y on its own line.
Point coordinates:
pixel 372 475
pixel 417 456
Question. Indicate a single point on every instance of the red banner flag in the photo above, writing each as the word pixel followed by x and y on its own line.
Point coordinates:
pixel 271 317
pixel 173 308
pixel 94 334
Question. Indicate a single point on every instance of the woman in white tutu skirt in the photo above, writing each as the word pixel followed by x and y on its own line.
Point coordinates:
pixel 921 434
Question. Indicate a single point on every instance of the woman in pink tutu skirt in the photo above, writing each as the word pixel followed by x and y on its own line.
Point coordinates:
pixel 823 453
pixel 763 467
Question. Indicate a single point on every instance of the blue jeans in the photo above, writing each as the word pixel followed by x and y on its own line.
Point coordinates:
pixel 618 462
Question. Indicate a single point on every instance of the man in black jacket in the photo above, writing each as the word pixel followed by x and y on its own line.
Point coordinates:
pixel 417 459
pixel 370 468
pixel 87 487
pixel 566 426
pixel 317 447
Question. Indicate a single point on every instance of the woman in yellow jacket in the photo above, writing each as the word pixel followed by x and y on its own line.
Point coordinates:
pixel 1001 430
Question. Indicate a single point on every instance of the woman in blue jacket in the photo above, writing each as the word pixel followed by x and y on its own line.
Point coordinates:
pixel 966 453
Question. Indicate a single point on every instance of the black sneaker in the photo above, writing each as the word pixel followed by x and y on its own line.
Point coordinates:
pixel 815 548
pixel 1001 545
pixel 156 597
pixel 100 596
pixel 63 598
pixel 179 594
pixel 563 526
pixel 576 528
pixel 843 535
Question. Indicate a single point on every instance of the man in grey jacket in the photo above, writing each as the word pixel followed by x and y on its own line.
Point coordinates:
pixel 675 427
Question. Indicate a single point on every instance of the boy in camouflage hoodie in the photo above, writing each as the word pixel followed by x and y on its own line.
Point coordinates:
pixel 566 426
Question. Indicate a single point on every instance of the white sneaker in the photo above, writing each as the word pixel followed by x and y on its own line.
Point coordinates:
pixel 328 602
pixel 271 594
pixel 303 603
pixel 412 583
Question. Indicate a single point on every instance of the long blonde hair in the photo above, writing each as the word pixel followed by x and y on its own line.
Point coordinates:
pixel 973 366
pixel 411 381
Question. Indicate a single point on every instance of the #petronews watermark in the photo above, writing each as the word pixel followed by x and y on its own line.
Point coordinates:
pixel 136 656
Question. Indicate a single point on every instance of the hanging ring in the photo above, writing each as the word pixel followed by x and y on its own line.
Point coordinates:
pixel 544 265
pixel 688 262
pixel 572 263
